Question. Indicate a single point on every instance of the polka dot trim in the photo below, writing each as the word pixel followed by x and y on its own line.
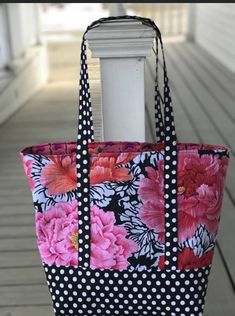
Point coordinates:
pixel 170 176
pixel 78 291
pixel 159 127
pixel 85 135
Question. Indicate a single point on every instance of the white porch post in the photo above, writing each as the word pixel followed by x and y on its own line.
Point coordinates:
pixel 5 48
pixel 37 11
pixel 21 52
pixel 122 47
pixel 23 27
pixel 191 22
pixel 117 9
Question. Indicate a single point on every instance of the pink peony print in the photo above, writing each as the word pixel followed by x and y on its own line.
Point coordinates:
pixel 28 170
pixel 200 187
pixel 57 237
pixel 57 234
pixel 110 248
pixel 59 175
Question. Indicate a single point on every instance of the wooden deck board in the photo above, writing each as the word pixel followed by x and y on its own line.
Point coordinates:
pixel 23 295
pixel 17 245
pixel 40 310
pixel 22 276
pixel 19 259
pixel 220 296
pixel 220 102
pixel 208 113
pixel 51 115
pixel 21 231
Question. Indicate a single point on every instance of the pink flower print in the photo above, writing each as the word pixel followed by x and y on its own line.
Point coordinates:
pixel 59 175
pixel 200 188
pixel 57 234
pixel 105 169
pixel 57 237
pixel 110 248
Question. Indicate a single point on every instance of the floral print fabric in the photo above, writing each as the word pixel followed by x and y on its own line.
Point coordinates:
pixel 127 203
pixel 57 232
pixel 110 248
pixel 59 176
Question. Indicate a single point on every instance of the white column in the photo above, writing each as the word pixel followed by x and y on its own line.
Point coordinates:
pixel 37 13
pixel 191 21
pixel 22 27
pixel 122 47
pixel 15 29
pixel 117 9
pixel 5 49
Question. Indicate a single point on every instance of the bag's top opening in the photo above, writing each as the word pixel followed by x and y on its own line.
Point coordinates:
pixel 68 148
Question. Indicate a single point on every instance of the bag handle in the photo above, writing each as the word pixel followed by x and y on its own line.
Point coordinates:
pixel 159 125
pixel 86 135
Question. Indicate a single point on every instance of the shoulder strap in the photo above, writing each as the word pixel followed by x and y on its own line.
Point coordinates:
pixel 85 135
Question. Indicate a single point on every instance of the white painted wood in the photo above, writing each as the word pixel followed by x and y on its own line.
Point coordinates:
pixel 28 24
pixel 15 31
pixel 22 27
pixel 123 99
pixel 27 79
pixel 5 50
pixel 37 24
pixel 117 9
pixel 214 31
pixel 191 22
pixel 121 39
pixel 122 47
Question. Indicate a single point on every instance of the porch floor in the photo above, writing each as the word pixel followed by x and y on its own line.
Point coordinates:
pixel 204 103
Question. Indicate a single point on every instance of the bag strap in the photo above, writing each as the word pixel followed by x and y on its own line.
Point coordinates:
pixel 159 126
pixel 86 135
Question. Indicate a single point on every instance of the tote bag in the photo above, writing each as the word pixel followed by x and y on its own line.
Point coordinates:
pixel 126 228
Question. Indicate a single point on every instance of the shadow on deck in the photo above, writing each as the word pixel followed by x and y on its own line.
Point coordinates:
pixel 204 103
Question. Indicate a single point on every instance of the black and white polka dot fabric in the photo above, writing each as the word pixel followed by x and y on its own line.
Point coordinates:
pixel 114 292
pixel 159 127
pixel 85 291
